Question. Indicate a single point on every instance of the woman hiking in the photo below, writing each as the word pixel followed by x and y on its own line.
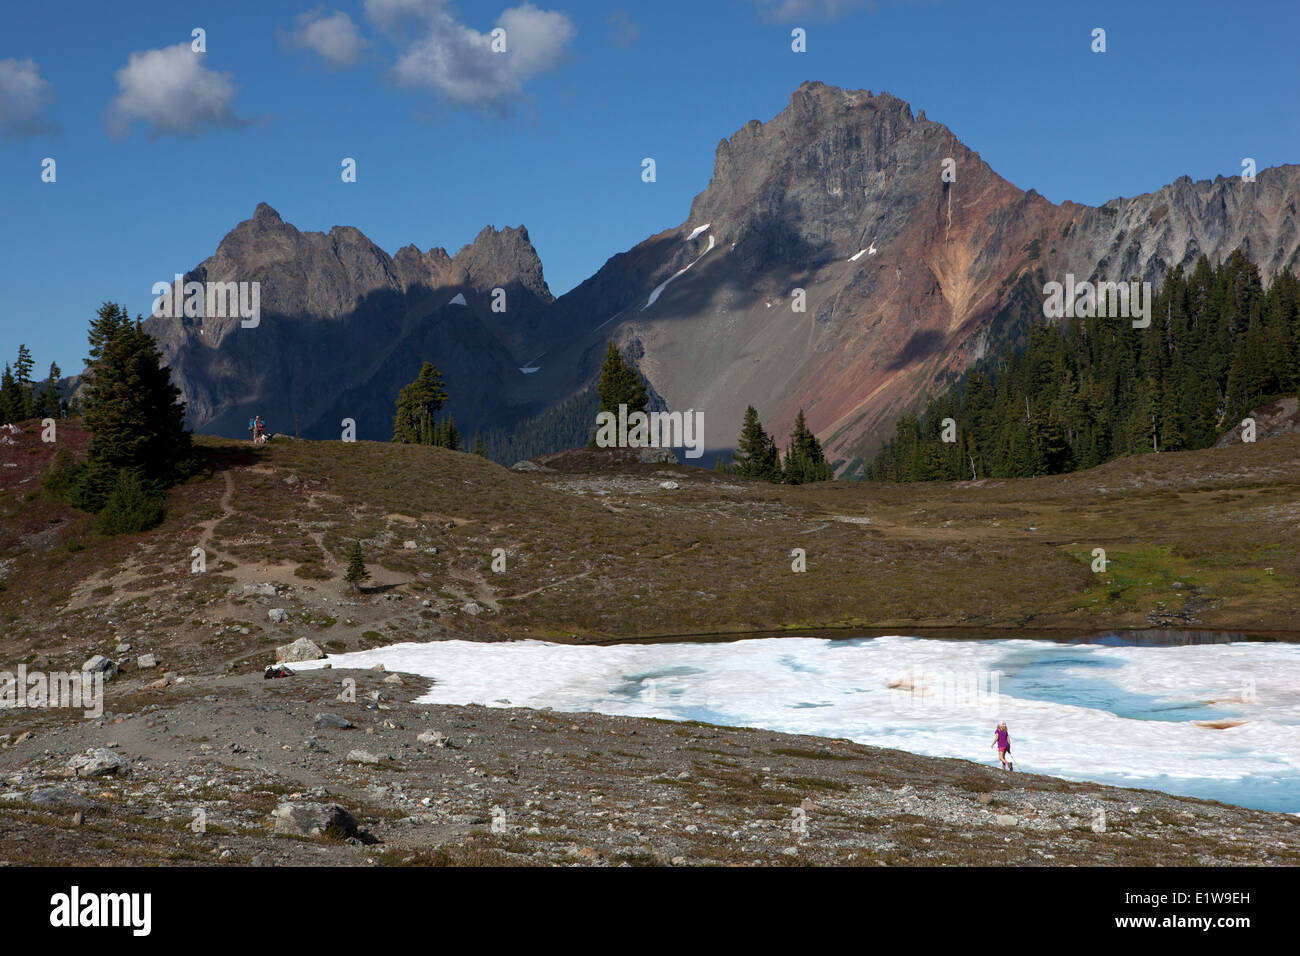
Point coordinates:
pixel 1002 740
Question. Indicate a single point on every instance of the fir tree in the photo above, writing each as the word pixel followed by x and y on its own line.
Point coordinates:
pixel 356 572
pixel 417 405
pixel 756 455
pixel 11 398
pixel 620 384
pixel 50 403
pixel 804 461
pixel 133 413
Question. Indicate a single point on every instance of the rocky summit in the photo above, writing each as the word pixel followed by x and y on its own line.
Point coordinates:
pixel 848 257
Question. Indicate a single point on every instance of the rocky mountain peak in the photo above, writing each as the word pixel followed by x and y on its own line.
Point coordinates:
pixel 265 214
pixel 498 257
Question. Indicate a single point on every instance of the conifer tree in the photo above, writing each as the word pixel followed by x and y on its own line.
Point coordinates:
pixel 756 455
pixel 11 399
pixel 620 384
pixel 132 411
pixel 417 404
pixel 804 461
pixel 356 572
pixel 50 403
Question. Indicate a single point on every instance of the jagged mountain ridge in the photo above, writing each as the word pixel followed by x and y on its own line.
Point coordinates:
pixel 908 279
pixel 343 325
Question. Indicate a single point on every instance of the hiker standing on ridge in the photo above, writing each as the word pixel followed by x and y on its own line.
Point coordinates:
pixel 1002 740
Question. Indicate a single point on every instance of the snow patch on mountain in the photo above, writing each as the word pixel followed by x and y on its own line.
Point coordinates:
pixel 658 290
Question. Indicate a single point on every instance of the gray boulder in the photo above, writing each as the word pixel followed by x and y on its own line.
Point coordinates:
pixel 300 650
pixel 333 721
pixel 314 819
pixel 99 664
pixel 95 762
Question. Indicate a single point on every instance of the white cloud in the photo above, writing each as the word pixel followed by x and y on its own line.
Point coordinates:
pixel 809 9
pixel 24 93
pixel 335 38
pixel 172 91
pixel 439 53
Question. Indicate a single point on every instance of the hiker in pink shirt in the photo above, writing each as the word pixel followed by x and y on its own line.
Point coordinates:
pixel 1002 740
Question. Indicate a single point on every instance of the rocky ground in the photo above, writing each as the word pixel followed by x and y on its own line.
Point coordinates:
pixel 312 769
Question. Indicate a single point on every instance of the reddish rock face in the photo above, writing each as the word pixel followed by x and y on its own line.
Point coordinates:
pixel 910 274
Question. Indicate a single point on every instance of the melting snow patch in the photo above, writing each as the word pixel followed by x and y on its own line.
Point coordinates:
pixel 530 370
pixel 698 230
pixel 459 299
pixel 857 255
pixel 1122 715
pixel 658 290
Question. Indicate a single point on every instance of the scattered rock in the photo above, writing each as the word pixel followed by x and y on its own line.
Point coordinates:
pixel 314 819
pixel 669 485
pixel 95 762
pixel 101 665
pixel 332 720
pixel 362 756
pixel 300 650
pixel 277 615
pixel 253 590
pixel 51 797
pixel 472 608
pixel 1006 820
pixel 147 662
pixel 409 545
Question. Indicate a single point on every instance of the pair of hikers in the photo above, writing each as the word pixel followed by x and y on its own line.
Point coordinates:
pixel 1002 741
pixel 258 428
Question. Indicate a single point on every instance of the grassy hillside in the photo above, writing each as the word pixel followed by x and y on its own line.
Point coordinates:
pixel 596 549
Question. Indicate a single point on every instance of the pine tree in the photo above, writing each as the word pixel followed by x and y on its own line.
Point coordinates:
pixel 804 460
pixel 11 400
pixel 356 572
pixel 417 404
pixel 756 455
pixel 23 367
pixel 480 449
pixel 133 413
pixel 620 384
pixel 50 403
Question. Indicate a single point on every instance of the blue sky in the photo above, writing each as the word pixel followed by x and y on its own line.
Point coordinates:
pixel 160 152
